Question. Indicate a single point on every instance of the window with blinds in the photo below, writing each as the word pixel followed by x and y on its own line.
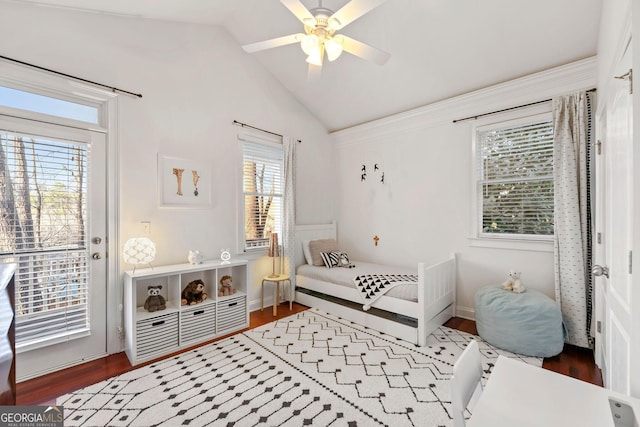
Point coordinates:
pixel 262 191
pixel 515 179
pixel 43 210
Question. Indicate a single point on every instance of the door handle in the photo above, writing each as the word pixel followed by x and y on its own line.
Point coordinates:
pixel 96 255
pixel 599 270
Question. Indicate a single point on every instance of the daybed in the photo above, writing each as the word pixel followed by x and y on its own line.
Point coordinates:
pixel 408 311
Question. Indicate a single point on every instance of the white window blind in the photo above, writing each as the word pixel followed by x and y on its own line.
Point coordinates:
pixel 262 190
pixel 515 182
pixel 43 190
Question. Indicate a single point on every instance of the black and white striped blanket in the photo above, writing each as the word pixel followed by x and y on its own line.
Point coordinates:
pixel 373 286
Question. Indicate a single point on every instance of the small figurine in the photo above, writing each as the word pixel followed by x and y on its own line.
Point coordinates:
pixel 195 257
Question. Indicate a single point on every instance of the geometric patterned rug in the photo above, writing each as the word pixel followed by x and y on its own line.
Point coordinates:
pixel 311 368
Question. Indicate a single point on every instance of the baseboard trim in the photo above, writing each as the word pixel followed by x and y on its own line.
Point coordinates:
pixel 466 313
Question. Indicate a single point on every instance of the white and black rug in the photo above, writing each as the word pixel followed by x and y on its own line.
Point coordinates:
pixel 311 368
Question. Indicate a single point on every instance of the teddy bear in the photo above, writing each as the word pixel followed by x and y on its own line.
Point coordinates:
pixel 193 293
pixel 154 301
pixel 226 286
pixel 513 283
pixel 195 257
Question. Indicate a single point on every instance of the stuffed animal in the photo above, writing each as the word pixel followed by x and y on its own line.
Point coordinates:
pixel 195 257
pixel 226 286
pixel 154 301
pixel 513 283
pixel 343 261
pixel 193 293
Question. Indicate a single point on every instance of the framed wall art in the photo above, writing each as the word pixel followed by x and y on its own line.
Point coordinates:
pixel 183 183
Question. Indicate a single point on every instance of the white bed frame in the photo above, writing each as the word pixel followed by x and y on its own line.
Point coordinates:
pixel 436 294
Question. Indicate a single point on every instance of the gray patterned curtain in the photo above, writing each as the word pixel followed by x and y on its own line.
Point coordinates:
pixel 573 219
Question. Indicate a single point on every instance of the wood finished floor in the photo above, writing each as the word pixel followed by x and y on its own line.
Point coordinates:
pixel 573 361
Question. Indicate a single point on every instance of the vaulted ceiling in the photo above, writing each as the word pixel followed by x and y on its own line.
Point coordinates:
pixel 439 48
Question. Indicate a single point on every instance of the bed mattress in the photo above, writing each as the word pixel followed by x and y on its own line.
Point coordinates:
pixel 344 277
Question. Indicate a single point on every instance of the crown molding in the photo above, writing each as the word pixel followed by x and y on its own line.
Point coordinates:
pixel 579 75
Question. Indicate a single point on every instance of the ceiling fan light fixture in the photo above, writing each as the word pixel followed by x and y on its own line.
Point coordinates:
pixel 333 46
pixel 333 23
pixel 315 57
pixel 309 44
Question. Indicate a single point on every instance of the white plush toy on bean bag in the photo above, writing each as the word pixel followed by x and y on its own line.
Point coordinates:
pixel 513 283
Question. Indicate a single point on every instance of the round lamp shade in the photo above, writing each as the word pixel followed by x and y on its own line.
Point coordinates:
pixel 139 250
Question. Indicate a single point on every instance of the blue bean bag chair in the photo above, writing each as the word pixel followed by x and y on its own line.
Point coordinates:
pixel 528 323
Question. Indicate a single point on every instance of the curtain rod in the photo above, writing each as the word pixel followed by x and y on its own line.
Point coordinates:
pixel 244 125
pixel 508 109
pixel 113 89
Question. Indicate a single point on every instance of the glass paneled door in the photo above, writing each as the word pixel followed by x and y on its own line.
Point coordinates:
pixel 53 226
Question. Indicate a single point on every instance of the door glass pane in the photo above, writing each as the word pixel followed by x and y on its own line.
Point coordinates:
pixel 43 217
pixel 15 98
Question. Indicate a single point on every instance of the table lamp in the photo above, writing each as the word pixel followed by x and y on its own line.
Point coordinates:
pixel 274 252
pixel 139 250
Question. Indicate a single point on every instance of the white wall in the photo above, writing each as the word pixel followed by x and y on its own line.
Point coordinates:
pixel 423 210
pixel 195 81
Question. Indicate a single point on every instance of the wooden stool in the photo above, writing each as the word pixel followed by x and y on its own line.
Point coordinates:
pixel 281 278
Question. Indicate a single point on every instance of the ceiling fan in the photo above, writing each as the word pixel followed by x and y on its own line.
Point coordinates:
pixel 320 26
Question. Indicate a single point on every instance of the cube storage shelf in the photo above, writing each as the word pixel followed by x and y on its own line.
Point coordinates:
pixel 149 335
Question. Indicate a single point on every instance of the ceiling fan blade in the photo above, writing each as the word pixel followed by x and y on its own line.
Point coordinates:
pixel 353 10
pixel 364 51
pixel 302 13
pixel 277 42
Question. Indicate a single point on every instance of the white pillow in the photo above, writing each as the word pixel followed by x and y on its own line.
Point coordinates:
pixel 307 252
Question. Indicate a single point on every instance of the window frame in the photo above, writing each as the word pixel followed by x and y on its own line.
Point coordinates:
pixel 35 82
pixel 40 97
pixel 269 141
pixel 531 242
